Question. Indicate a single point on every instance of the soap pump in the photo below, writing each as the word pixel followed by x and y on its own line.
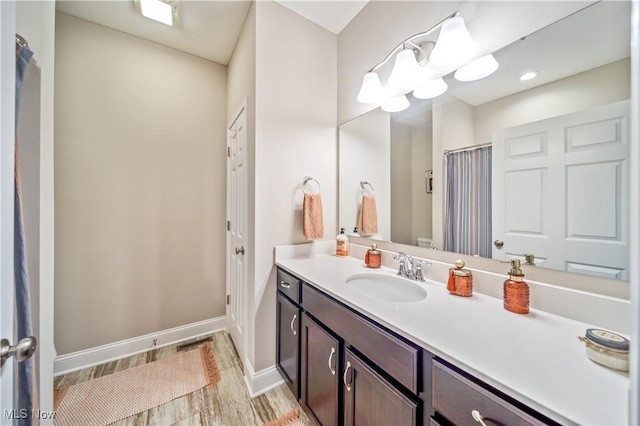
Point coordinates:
pixel 373 258
pixel 342 244
pixel 460 280
pixel 516 291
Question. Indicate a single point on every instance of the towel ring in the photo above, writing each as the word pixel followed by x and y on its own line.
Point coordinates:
pixel 306 181
pixel 363 190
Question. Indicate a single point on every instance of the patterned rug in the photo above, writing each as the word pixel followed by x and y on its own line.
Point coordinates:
pixel 292 418
pixel 117 396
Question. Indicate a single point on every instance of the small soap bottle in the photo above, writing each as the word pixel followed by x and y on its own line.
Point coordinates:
pixel 342 244
pixel 516 291
pixel 373 258
pixel 460 280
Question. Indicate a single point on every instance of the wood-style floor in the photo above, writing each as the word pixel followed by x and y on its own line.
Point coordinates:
pixel 228 403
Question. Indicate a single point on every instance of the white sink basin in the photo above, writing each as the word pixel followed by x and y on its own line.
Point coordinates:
pixel 386 287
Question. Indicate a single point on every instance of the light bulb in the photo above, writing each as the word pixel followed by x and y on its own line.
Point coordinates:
pixel 480 68
pixel 371 91
pixel 396 104
pixel 431 89
pixel 454 46
pixel 406 73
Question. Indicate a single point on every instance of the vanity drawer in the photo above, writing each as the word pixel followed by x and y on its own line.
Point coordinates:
pixel 397 358
pixel 456 396
pixel 289 285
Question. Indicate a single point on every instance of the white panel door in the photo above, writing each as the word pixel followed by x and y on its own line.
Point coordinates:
pixel 237 231
pixel 560 191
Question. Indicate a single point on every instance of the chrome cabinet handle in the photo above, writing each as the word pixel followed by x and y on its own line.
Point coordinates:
pixel 333 370
pixel 240 250
pixel 344 377
pixel 478 417
pixel 292 321
pixel 285 285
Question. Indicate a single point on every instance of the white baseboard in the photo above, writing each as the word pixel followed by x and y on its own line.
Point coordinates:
pixel 262 381
pixel 106 353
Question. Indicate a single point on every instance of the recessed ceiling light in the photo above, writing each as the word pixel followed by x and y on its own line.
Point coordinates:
pixel 157 10
pixel 528 75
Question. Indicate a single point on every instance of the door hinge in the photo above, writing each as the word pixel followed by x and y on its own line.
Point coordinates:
pixel 229 151
pixel 228 299
pixel 228 225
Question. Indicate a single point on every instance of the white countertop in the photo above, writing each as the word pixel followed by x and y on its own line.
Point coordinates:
pixel 535 358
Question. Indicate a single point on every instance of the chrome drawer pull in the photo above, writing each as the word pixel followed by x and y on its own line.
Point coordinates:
pixel 478 417
pixel 285 285
pixel 344 377
pixel 292 321
pixel 333 370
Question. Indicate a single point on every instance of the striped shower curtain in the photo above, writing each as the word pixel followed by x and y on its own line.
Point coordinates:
pixel 468 202
pixel 26 388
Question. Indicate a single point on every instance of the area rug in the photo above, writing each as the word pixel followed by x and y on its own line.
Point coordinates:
pixel 117 396
pixel 292 418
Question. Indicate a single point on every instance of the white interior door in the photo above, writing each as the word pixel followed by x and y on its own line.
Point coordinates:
pixel 237 231
pixel 560 191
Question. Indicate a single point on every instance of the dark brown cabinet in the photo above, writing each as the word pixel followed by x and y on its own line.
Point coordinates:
pixel 320 372
pixel 369 399
pixel 288 342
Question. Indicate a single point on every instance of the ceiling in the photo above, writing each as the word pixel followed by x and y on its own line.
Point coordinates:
pixel 208 29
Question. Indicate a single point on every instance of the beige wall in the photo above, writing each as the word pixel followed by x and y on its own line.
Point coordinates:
pixel 401 188
pixel 421 161
pixel 295 137
pixel 139 186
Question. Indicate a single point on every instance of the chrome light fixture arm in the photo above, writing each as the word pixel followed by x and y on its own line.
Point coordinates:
pixel 410 40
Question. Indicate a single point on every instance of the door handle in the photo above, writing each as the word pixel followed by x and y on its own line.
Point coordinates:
pixel 333 370
pixel 291 325
pixel 22 351
pixel 498 243
pixel 240 250
pixel 344 377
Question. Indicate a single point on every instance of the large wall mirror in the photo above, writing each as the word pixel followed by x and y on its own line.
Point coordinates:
pixel 558 158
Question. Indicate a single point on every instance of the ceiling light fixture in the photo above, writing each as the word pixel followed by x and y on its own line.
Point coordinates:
pixel 480 68
pixel 528 75
pixel 454 47
pixel 157 10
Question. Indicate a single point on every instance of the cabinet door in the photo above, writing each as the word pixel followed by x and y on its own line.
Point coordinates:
pixel 320 372
pixel 371 400
pixel 288 342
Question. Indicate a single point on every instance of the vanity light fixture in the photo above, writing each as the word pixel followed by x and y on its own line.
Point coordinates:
pixel 399 103
pixel 480 68
pixel 453 47
pixel 431 89
pixel 161 11
pixel 528 75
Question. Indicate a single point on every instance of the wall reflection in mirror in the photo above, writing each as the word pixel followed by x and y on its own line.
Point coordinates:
pixel 558 165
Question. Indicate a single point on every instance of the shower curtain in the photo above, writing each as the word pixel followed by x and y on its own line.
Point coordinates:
pixel 26 389
pixel 468 202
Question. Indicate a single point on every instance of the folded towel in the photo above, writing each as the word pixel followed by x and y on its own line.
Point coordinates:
pixel 312 222
pixel 368 217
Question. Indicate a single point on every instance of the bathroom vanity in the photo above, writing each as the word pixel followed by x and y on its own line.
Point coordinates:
pixel 354 358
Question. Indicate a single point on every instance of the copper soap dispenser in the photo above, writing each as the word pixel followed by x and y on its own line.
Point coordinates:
pixel 516 291
pixel 373 258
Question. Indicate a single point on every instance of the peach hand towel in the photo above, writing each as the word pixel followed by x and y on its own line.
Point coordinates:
pixel 368 217
pixel 312 222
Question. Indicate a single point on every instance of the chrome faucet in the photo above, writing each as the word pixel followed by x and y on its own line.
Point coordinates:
pixel 409 267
